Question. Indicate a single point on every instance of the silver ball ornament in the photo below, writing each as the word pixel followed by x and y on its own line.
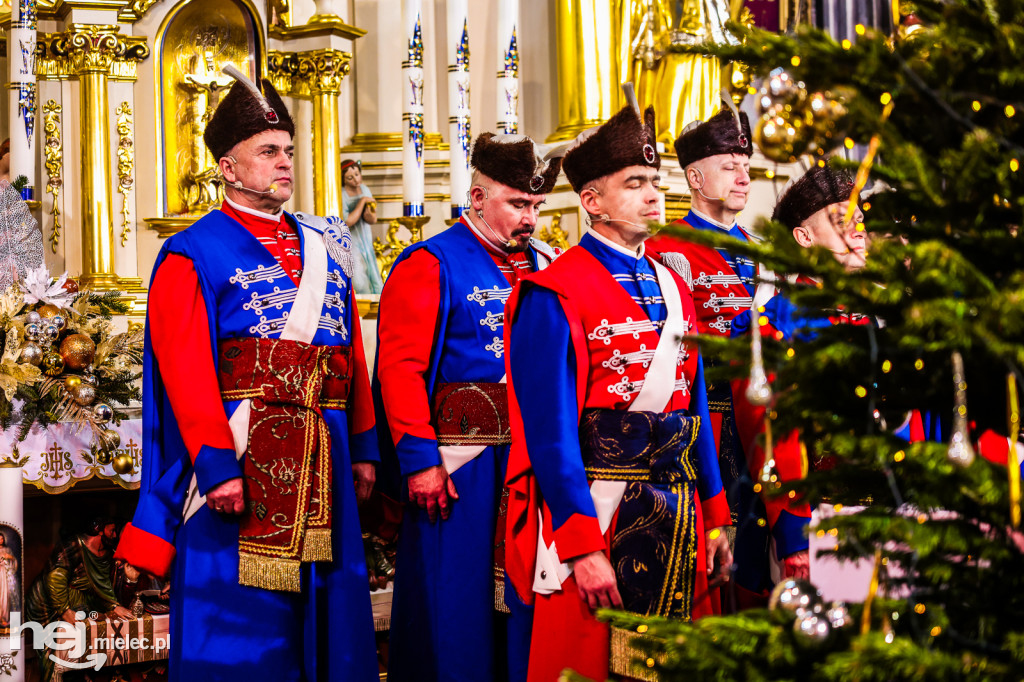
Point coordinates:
pixel 838 615
pixel 104 413
pixel 32 317
pixel 811 631
pixel 32 354
pixel 50 332
pixel 59 321
pixel 33 330
pixel 792 596
pixel 781 90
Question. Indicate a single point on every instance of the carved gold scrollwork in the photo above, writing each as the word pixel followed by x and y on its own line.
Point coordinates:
pixel 54 163
pixel 281 70
pixel 90 48
pixel 304 74
pixel 389 249
pixel 125 164
pixel 555 236
pixel 324 70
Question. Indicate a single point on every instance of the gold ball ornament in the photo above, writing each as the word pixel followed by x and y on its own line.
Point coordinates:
pixel 824 115
pixel 48 310
pixel 72 382
pixel 52 363
pixel 78 350
pixel 781 136
pixel 109 439
pixel 84 394
pixel 104 457
pixel 123 464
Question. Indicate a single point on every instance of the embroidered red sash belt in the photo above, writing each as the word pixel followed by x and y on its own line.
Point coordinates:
pixel 287 466
pixel 471 414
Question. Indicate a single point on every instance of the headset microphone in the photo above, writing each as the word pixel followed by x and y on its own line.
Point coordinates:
pixel 509 244
pixel 272 189
pixel 698 189
pixel 605 218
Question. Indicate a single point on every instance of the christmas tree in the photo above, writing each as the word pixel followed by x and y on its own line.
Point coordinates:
pixel 938 107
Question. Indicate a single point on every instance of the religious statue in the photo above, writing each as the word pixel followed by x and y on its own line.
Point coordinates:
pixel 201 182
pixel 682 87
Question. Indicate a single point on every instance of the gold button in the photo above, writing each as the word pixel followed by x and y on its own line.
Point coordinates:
pixel 679 595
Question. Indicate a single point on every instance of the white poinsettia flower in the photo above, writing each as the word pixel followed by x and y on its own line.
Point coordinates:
pixel 38 289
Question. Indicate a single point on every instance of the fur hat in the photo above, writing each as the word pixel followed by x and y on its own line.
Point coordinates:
pixel 517 161
pixel 624 140
pixel 819 187
pixel 717 135
pixel 244 112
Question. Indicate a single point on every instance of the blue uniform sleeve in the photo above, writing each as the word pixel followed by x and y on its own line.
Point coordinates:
pixel 543 368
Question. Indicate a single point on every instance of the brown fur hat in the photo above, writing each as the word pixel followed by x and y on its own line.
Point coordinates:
pixel 240 115
pixel 717 135
pixel 623 141
pixel 516 161
pixel 817 188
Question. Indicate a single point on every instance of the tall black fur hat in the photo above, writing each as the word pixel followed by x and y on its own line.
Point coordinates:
pixel 243 112
pixel 817 188
pixel 717 135
pixel 624 140
pixel 517 161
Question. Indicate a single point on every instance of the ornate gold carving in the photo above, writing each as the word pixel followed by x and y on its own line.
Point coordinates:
pixel 90 48
pixel 388 250
pixel 305 74
pixel 324 70
pixel 555 236
pixel 125 163
pixel 196 40
pixel 281 70
pixel 54 163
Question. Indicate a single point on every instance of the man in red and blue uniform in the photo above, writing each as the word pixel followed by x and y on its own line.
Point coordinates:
pixel 258 425
pixel 615 497
pixel 715 154
pixel 440 385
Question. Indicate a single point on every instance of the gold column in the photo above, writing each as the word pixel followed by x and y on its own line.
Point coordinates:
pixel 90 50
pixel 588 84
pixel 324 70
pixel 317 75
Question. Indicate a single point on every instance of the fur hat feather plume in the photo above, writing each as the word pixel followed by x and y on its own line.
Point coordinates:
pixel 243 112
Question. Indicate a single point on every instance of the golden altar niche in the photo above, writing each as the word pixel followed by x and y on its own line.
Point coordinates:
pixel 194 42
pixel 603 44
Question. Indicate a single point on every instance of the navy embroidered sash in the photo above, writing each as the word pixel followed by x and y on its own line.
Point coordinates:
pixel 654 543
